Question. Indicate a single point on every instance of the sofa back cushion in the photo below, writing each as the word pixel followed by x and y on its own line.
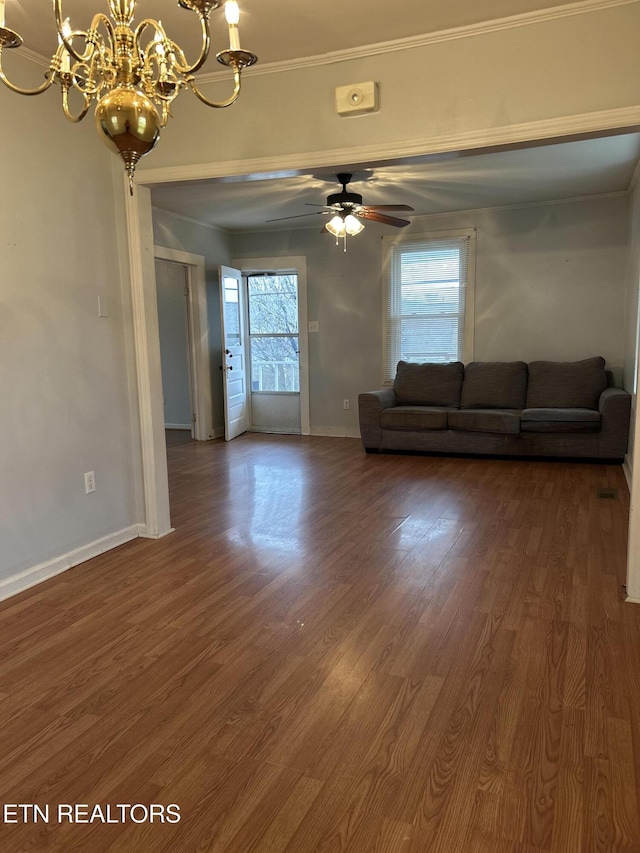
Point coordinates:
pixel 428 384
pixel 566 384
pixel 494 385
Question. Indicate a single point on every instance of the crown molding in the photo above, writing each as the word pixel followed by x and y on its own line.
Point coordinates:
pixel 481 28
pixel 191 220
pixel 560 129
pixel 467 31
pixel 577 199
pixel 466 211
pixel 32 56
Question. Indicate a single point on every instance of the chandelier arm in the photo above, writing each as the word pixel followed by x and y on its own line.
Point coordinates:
pixel 49 77
pixel 221 104
pixel 142 26
pixel 166 114
pixel 89 86
pixel 92 36
pixel 67 40
pixel 65 105
pixel 181 62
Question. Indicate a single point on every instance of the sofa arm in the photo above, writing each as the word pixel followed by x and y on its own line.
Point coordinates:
pixel 615 410
pixel 371 404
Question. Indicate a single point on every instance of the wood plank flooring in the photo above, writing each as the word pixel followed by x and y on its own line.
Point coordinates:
pixel 337 652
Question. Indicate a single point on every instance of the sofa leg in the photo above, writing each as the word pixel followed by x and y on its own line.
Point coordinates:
pixel 371 450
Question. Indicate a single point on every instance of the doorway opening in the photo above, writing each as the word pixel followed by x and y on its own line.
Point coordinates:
pixel 274 351
pixel 184 344
pixel 172 289
pixel 264 305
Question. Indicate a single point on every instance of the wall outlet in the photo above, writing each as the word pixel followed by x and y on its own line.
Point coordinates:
pixel 313 326
pixel 346 404
pixel 90 482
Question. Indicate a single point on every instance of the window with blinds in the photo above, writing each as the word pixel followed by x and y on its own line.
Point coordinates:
pixel 429 305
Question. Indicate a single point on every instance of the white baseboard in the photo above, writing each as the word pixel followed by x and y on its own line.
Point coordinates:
pixel 177 426
pixel 267 431
pixel 336 432
pixel 43 571
pixel 629 600
pixel 627 470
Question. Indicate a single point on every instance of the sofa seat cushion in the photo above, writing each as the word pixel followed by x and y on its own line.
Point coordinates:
pixel 494 385
pixel 414 417
pixel 486 420
pixel 566 384
pixel 560 420
pixel 428 384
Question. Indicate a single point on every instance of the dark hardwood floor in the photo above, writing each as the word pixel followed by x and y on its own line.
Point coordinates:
pixel 338 652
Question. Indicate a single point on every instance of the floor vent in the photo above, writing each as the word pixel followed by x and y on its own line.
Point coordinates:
pixel 607 494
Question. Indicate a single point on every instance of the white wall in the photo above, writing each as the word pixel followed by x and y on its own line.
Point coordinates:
pixel 481 88
pixel 63 369
pixel 176 232
pixel 171 280
pixel 550 284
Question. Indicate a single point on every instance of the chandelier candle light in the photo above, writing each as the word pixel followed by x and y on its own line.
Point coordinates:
pixel 133 75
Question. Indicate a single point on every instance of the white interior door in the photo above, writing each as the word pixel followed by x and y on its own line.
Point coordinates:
pixel 236 396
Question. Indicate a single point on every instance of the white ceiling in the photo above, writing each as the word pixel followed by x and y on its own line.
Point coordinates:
pixel 279 30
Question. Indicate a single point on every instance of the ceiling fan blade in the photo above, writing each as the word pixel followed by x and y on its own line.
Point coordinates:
pixel 326 206
pixel 388 207
pixel 299 216
pixel 382 217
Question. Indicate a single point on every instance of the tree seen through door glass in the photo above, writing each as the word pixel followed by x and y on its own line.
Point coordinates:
pixel 273 332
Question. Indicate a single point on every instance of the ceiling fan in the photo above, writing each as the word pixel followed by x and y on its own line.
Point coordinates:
pixel 346 210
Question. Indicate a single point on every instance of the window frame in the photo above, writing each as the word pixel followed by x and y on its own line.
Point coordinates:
pixel 395 242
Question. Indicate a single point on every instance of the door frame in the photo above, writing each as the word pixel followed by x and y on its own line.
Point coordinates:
pixel 198 334
pixel 297 264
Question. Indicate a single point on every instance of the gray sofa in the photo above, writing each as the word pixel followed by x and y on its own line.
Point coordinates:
pixel 545 408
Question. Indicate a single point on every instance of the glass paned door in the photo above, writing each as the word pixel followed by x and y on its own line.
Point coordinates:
pixel 235 392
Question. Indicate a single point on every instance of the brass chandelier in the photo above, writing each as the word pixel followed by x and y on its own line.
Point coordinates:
pixel 132 74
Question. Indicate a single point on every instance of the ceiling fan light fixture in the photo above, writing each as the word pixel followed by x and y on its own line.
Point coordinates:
pixel 353 225
pixel 336 226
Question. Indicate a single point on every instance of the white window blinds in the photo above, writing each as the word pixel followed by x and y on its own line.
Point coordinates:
pixel 428 313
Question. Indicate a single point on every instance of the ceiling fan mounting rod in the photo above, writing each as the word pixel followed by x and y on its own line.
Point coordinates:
pixel 344 198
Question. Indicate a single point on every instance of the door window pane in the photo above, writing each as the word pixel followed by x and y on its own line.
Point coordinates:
pixel 231 311
pixel 274 363
pixel 273 331
pixel 273 304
